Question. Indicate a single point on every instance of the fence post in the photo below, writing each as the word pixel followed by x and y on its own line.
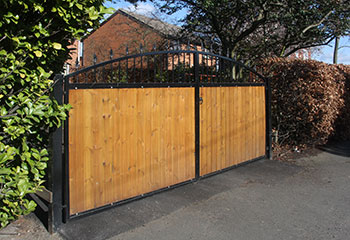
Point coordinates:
pixel 56 169
pixel 197 112
pixel 268 93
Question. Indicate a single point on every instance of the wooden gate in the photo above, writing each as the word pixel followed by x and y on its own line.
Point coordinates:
pixel 128 142
pixel 148 122
pixel 232 126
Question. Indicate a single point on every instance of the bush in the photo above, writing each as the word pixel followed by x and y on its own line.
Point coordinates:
pixel 342 126
pixel 309 101
pixel 34 37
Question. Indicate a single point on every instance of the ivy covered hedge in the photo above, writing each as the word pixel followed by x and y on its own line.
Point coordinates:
pixel 34 38
pixel 310 101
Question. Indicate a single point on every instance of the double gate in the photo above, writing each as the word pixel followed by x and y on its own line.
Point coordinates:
pixel 144 123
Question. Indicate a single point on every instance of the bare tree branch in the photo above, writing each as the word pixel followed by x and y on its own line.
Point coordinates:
pixel 317 24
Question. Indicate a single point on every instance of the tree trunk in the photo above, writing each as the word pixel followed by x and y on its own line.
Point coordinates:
pixel 336 48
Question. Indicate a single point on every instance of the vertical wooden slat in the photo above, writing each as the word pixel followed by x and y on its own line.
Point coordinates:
pixel 140 165
pixel 72 142
pixel 122 148
pixel 245 122
pixel 214 130
pixel 189 122
pixel 223 130
pixel 133 147
pixel 231 156
pixel 249 122
pixel 228 132
pixel 203 130
pixel 167 145
pixel 87 165
pixel 108 141
pixel 181 135
pixel 161 134
pixel 176 137
pixel 262 121
pixel 147 136
pixel 256 121
pixel 117 178
pixel 97 147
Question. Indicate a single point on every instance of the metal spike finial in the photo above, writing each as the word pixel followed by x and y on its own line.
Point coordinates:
pixel 111 54
pixel 141 48
pixel 228 53
pixel 127 50
pixel 188 45
pixel 95 59
pixel 77 63
pixel 154 47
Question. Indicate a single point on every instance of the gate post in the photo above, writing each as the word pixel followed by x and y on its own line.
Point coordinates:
pixel 197 112
pixel 56 170
pixel 268 118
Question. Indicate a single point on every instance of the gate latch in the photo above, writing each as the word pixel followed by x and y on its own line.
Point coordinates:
pixel 200 100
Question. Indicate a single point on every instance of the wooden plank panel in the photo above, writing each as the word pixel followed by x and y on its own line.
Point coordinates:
pixel 128 142
pixel 232 127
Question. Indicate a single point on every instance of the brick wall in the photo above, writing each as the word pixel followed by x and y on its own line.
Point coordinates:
pixel 73 54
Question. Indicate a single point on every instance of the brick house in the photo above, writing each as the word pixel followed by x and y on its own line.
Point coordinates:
pixel 124 30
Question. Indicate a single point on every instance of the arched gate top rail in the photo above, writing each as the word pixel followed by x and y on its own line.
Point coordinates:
pixel 173 66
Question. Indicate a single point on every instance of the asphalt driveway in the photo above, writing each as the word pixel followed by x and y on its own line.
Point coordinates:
pixel 308 198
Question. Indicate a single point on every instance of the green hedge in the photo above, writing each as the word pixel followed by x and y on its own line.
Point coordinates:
pixel 34 38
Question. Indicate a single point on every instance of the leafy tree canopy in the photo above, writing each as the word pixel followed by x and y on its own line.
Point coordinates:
pixel 34 38
pixel 259 28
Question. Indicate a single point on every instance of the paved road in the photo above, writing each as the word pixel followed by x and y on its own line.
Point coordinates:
pixel 305 199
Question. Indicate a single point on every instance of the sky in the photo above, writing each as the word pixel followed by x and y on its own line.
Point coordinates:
pixel 324 54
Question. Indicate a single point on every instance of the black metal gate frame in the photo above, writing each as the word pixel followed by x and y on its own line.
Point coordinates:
pixel 59 173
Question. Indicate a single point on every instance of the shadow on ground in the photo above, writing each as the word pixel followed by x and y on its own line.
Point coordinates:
pixel 120 219
pixel 337 148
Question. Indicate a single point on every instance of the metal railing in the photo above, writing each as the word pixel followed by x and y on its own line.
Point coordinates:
pixel 163 67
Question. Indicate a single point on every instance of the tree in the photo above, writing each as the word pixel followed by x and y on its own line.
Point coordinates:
pixel 34 37
pixel 255 29
pixel 336 50
pixel 337 47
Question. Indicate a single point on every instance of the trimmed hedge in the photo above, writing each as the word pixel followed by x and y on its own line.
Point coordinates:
pixel 310 101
